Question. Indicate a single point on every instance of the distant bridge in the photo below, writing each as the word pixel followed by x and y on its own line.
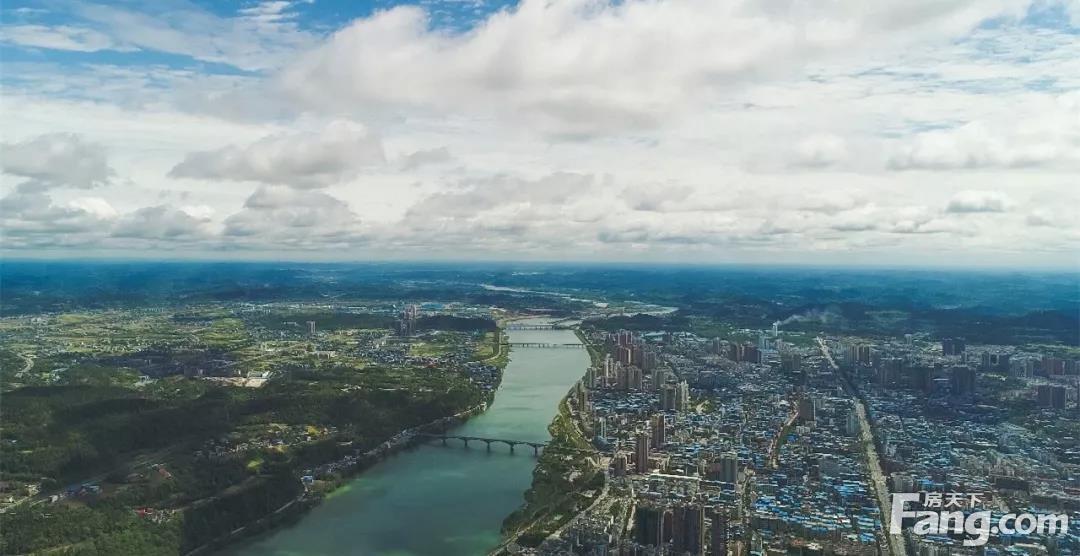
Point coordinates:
pixel 536 446
pixel 544 345
pixel 536 327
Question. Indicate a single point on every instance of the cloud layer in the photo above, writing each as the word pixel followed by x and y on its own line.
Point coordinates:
pixel 647 130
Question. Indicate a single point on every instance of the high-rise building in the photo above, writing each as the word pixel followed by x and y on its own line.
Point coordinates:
pixel 1050 396
pixel 659 377
pixel 890 371
pixel 922 378
pixel 408 319
pixel 659 430
pixel 669 397
pixel 962 381
pixel 641 452
pixel 634 378
pixel 620 464
pixel 682 396
pixel 688 529
pixel 851 425
pixel 744 353
pixel 1052 366
pixel 625 338
pixel 649 525
pixel 790 361
pixel 993 361
pixel 952 346
pixel 806 410
pixel 622 377
pixel 311 327
pixel 718 540
pixel 582 396
pixel 648 360
pixel 729 468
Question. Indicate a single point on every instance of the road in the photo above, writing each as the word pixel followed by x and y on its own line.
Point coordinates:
pixel 895 543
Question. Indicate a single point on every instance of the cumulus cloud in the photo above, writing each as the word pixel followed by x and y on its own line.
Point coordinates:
pixel 757 130
pixel 94 205
pixel 57 160
pixel 589 67
pixel 659 198
pixel 971 201
pixel 31 219
pixel 337 153
pixel 160 222
pixel 286 217
pixel 1042 130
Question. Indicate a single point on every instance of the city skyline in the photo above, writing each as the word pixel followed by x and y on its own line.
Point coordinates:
pixel 676 131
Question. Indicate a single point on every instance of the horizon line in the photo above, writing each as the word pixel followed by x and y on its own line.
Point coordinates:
pixel 1031 269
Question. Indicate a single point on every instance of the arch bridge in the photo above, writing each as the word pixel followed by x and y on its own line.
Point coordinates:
pixel 536 446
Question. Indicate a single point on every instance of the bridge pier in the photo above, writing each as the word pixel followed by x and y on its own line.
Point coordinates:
pixel 465 440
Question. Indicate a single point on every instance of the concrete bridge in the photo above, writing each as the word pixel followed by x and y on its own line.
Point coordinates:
pixel 536 327
pixel 544 345
pixel 536 446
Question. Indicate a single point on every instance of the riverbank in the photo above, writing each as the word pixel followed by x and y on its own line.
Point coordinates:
pixel 335 475
pixel 310 498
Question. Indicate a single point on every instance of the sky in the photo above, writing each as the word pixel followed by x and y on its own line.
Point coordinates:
pixel 892 132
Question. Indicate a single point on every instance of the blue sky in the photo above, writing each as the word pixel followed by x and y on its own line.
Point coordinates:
pixel 916 131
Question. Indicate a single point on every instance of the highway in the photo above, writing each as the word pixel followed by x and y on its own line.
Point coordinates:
pixel 895 543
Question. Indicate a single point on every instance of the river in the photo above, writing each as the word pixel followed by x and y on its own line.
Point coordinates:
pixel 449 500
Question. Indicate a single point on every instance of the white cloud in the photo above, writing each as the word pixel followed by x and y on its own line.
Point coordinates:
pixel 337 153
pixel 94 205
pixel 766 131
pixel 57 160
pixel 978 201
pixel 276 216
pixel 31 220
pixel 260 38
pixel 818 151
pixel 1042 131
pixel 160 222
pixel 587 67
pixel 60 37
